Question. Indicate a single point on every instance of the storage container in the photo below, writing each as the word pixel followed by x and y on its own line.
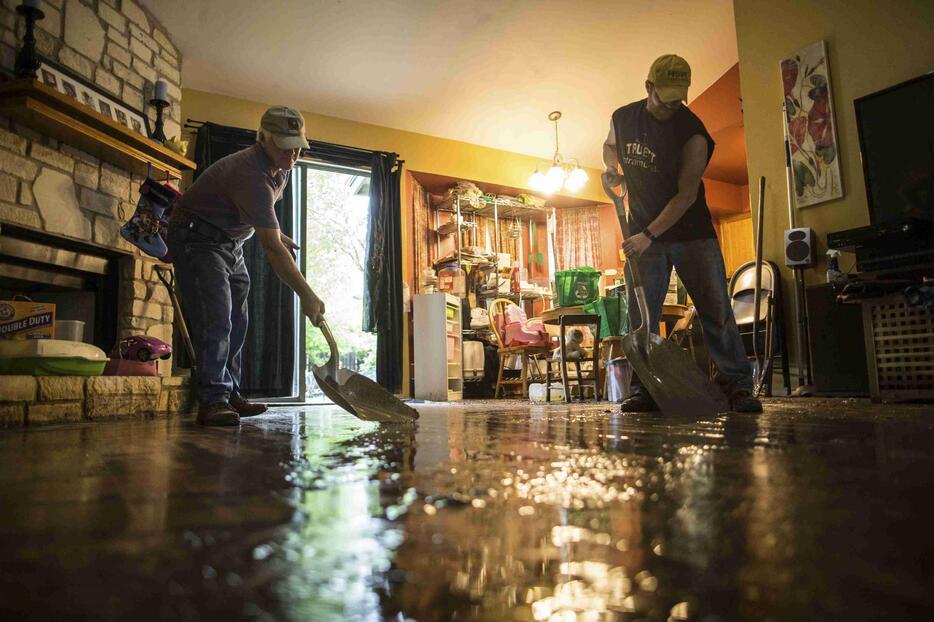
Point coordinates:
pixel 452 280
pixel 51 357
pixel 537 392
pixel 473 359
pixel 69 330
pixel 577 286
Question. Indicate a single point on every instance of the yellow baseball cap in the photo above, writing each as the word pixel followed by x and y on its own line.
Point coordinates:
pixel 671 76
pixel 286 126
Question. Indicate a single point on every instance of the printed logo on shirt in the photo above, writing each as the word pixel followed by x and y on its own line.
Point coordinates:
pixel 639 154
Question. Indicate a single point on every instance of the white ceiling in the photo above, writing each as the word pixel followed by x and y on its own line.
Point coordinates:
pixel 486 72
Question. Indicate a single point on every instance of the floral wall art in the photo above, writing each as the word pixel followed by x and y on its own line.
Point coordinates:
pixel 810 126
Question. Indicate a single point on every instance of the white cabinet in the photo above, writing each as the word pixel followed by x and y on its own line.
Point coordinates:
pixel 439 375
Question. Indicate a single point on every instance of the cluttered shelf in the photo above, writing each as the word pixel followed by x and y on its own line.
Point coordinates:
pixel 467 198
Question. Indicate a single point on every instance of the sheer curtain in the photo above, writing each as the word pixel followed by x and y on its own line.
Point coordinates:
pixel 577 237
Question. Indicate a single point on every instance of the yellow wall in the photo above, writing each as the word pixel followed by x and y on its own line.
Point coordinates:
pixel 420 152
pixel 870 45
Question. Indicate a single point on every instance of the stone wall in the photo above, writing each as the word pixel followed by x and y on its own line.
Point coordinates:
pixel 115 44
pixel 52 186
pixel 29 400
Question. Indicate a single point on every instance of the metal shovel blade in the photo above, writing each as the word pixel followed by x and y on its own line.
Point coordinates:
pixel 670 375
pixel 371 401
pixel 356 393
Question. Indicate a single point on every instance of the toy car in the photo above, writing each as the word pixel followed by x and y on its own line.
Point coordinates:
pixel 142 348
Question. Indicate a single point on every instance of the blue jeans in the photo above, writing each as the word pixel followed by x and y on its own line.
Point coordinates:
pixel 214 283
pixel 699 264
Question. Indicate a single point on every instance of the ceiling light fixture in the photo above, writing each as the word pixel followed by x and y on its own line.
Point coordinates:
pixel 562 173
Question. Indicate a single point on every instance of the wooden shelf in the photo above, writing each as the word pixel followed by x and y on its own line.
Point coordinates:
pixel 42 108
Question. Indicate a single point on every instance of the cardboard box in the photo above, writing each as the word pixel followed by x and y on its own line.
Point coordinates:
pixel 24 319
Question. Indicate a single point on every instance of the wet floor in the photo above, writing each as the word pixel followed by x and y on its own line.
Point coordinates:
pixel 815 510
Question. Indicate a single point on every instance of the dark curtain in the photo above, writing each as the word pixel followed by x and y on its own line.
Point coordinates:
pixel 269 352
pixel 382 298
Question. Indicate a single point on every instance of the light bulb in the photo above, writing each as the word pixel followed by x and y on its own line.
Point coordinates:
pixel 554 179
pixel 576 180
pixel 537 181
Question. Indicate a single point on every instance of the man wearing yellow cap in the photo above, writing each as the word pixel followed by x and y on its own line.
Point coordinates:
pixel 230 200
pixel 661 150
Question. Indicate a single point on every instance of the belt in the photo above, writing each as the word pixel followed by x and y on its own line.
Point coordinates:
pixel 193 222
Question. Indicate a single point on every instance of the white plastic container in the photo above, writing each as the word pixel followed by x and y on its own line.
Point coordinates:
pixel 69 330
pixel 537 392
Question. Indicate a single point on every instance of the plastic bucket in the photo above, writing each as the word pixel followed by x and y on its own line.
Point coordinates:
pixel 69 330
pixel 618 379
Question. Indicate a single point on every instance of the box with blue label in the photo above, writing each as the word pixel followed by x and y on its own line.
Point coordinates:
pixel 24 319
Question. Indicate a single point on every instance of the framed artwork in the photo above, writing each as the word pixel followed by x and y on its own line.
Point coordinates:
pixel 810 126
pixel 68 83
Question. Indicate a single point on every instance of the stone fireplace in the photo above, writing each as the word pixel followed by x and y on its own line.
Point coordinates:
pixel 63 201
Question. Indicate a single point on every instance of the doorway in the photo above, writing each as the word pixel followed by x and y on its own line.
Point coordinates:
pixel 335 208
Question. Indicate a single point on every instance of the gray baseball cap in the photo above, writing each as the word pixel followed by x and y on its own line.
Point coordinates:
pixel 286 126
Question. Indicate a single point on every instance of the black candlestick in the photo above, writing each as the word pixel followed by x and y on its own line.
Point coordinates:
pixel 27 60
pixel 159 133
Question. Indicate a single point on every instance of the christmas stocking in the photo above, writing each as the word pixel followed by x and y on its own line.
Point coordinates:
pixel 146 229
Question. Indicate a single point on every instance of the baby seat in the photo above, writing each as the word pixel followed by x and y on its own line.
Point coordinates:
pixel 516 329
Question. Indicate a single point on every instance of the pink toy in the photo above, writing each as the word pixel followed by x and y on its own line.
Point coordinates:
pixel 517 330
pixel 141 348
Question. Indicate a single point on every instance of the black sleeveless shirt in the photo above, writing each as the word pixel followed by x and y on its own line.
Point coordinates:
pixel 650 153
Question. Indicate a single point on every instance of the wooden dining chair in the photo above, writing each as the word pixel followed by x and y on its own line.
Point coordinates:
pixel 528 354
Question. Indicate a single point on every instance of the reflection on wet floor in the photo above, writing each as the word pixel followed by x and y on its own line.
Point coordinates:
pixel 815 510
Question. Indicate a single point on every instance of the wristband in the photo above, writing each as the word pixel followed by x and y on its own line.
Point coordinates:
pixel 649 235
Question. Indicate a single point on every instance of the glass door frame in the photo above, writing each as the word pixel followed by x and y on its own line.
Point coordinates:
pixel 300 215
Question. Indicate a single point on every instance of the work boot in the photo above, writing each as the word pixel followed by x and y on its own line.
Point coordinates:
pixel 217 414
pixel 246 408
pixel 743 401
pixel 638 403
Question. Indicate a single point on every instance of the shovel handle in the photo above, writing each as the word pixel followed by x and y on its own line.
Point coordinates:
pixel 624 225
pixel 332 363
pixel 633 263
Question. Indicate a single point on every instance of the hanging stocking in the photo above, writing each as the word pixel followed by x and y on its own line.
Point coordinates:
pixel 146 229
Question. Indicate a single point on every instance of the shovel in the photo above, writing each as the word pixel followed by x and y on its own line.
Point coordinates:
pixel 666 370
pixel 356 393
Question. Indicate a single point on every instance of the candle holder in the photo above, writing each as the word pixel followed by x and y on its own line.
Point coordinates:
pixel 158 133
pixel 27 60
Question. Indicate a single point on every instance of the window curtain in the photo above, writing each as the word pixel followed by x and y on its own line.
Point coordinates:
pixel 382 298
pixel 577 239
pixel 269 359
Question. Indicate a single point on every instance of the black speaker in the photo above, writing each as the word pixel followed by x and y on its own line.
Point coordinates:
pixel 799 247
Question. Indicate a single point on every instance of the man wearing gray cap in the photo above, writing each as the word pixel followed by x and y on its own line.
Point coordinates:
pixel 230 200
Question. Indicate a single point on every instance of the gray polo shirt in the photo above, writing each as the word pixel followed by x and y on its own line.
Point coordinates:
pixel 237 193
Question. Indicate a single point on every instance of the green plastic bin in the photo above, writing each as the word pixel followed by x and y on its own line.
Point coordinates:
pixel 577 286
pixel 50 357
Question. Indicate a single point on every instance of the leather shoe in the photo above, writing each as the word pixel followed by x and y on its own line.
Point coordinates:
pixel 217 414
pixel 743 401
pixel 246 408
pixel 638 403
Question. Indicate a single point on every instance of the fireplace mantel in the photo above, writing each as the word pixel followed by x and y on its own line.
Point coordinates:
pixel 42 108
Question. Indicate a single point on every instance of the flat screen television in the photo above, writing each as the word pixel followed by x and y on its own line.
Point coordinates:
pixel 896 143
